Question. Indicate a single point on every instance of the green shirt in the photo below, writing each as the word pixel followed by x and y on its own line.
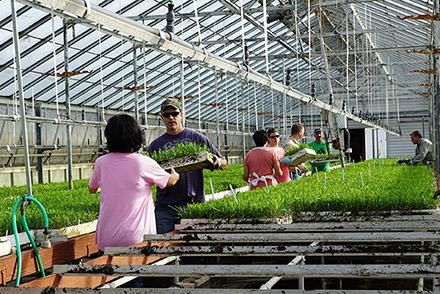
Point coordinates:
pixel 320 149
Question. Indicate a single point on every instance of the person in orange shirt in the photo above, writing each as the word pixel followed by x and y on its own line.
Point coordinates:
pixel 261 164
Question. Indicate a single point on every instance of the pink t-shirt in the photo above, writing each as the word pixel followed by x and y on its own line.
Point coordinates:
pixel 261 161
pixel 284 167
pixel 126 210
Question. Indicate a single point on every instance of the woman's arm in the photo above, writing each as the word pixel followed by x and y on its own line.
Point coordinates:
pixel 174 177
pixel 94 190
pixel 245 174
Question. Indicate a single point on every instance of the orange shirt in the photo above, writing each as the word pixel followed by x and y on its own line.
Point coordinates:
pixel 261 161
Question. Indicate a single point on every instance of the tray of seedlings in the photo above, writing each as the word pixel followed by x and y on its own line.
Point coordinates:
pixel 298 155
pixel 324 158
pixel 185 158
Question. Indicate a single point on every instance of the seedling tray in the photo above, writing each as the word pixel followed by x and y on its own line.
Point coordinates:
pixel 189 163
pixel 302 156
pixel 330 160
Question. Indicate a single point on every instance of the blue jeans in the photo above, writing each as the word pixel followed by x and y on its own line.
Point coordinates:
pixel 166 217
pixel 294 176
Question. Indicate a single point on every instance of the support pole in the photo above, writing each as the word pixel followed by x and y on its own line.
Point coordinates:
pixel 243 126
pixel 135 69
pixel 435 116
pixel 324 55
pixel 182 88
pixel 67 93
pixel 217 118
pixel 27 164
pixel 38 141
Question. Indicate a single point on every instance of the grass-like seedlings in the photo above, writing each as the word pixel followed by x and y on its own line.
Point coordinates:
pixel 178 151
pixel 385 187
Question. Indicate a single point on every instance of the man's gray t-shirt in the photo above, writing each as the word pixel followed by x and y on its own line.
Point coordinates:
pixel 423 152
pixel 190 184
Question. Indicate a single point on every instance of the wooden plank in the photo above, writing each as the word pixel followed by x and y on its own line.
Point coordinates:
pixel 193 282
pixel 319 226
pixel 69 232
pixel 298 237
pixel 59 281
pixel 61 252
pixel 390 271
pixel 398 249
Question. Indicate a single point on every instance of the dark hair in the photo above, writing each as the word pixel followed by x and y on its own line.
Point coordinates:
pixel 296 128
pixel 417 134
pixel 260 138
pixel 123 134
pixel 318 130
pixel 271 130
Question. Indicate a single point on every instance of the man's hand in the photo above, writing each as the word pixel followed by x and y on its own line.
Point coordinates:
pixel 303 168
pixel 216 163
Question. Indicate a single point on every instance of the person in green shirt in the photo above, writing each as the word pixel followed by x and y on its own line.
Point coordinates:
pixel 320 146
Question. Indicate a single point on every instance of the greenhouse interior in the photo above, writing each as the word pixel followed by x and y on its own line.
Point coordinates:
pixel 231 146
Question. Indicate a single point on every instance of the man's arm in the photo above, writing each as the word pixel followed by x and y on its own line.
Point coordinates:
pixel 223 163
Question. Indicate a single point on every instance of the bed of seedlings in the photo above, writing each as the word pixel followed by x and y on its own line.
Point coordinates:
pixel 375 185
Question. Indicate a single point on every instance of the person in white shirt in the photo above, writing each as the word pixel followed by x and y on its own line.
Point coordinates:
pixel 423 153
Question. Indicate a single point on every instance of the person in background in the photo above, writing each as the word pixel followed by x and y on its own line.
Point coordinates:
pixel 423 152
pixel 320 146
pixel 273 141
pixel 296 135
pixel 190 187
pixel 124 179
pixel 261 164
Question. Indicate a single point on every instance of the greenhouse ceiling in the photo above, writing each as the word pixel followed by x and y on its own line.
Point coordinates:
pixel 373 56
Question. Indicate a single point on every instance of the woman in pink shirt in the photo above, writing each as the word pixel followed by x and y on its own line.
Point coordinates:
pixel 124 179
pixel 273 141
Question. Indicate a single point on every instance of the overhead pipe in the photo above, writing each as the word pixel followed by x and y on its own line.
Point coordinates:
pixel 47 120
pixel 174 46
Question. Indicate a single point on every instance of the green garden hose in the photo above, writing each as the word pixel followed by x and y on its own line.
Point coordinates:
pixel 24 202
